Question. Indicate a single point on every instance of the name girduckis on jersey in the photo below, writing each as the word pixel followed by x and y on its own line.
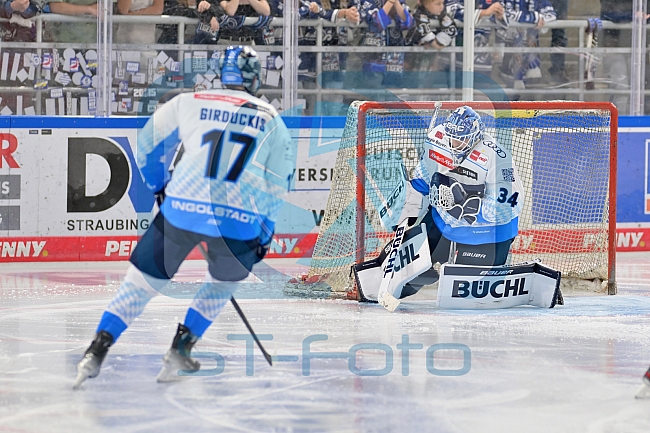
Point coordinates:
pixel 243 119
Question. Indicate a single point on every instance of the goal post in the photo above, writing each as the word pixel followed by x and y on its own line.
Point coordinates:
pixel 565 153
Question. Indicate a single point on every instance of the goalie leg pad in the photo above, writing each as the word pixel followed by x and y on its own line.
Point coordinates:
pixel 407 262
pixel 484 287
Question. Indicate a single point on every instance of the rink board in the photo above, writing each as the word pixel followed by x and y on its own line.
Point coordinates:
pixel 50 212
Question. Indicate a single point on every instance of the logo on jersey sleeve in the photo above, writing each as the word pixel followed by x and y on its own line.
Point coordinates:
pixel 441 159
pixel 479 158
pixel 508 174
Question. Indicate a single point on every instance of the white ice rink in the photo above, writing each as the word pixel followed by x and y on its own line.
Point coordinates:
pixel 574 368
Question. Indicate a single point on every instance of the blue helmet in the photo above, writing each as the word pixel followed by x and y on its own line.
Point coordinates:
pixel 464 128
pixel 240 66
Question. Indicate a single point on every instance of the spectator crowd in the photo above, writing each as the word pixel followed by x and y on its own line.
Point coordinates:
pixel 433 25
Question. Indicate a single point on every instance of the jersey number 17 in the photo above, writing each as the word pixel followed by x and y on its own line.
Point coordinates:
pixel 219 144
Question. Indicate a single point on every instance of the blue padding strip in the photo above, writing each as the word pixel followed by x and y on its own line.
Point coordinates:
pixel 196 323
pixel 633 121
pixel 36 122
pixel 314 121
pixel 326 122
pixel 61 122
pixel 111 324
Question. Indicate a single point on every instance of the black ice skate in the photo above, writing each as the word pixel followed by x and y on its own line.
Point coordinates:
pixel 178 356
pixel 91 363
pixel 644 392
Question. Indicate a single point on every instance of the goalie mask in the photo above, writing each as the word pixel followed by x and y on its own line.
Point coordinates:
pixel 464 128
pixel 240 66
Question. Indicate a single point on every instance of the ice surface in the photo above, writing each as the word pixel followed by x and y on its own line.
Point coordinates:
pixel 574 368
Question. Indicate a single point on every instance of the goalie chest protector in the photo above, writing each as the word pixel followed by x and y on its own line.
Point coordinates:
pixel 487 164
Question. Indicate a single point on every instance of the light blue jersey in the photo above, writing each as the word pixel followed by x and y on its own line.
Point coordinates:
pixel 488 172
pixel 237 163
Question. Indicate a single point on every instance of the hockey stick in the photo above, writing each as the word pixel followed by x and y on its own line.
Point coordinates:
pixel 385 299
pixel 434 117
pixel 204 253
pixel 268 358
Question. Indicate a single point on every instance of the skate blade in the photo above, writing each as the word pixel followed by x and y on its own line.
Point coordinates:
pixel 644 392
pixel 167 375
pixel 81 377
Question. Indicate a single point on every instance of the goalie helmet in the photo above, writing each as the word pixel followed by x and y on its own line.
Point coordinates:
pixel 464 128
pixel 240 66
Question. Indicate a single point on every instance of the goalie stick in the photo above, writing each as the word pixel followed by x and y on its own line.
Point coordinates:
pixel 385 299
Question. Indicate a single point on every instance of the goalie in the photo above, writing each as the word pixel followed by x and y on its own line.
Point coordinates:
pixel 471 215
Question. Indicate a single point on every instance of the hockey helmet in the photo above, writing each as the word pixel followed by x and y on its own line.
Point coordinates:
pixel 240 66
pixel 464 128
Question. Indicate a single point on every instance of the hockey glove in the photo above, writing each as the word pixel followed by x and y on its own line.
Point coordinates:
pixel 263 245
pixel 459 193
pixel 467 211
pixel 443 39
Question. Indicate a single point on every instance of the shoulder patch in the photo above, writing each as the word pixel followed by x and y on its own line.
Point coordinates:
pixel 479 158
pixel 492 145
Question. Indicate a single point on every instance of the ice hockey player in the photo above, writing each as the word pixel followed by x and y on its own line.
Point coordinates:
pixel 226 191
pixel 474 199
pixel 475 194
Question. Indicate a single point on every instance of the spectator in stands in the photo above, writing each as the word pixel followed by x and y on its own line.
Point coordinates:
pixel 179 8
pixel 558 40
pixel 20 29
pixel 233 29
pixel 487 11
pixel 137 33
pixel 210 13
pixel 434 29
pixel 617 66
pixel 83 32
pixel 382 69
pixel 523 69
pixel 333 62
pixel 311 10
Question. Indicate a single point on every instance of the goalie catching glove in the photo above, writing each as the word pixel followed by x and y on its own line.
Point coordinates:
pixel 458 200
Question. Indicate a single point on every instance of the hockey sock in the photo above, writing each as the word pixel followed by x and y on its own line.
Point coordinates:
pixel 112 324
pixel 208 303
pixel 136 291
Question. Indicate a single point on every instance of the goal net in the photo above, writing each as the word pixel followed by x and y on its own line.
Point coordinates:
pixel 565 153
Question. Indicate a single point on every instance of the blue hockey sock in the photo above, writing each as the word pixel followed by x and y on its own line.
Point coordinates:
pixel 111 324
pixel 196 323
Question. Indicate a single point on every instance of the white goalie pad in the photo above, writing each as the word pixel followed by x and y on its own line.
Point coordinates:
pixel 395 266
pixel 483 287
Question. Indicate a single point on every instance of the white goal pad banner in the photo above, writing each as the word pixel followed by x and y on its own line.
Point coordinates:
pixel 395 266
pixel 484 287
